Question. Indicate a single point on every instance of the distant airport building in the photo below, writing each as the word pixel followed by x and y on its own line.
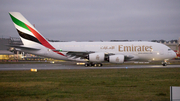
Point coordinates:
pixel 4 50
pixel 7 52
pixel 173 44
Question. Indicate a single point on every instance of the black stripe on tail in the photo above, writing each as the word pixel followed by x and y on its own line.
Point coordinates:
pixel 28 37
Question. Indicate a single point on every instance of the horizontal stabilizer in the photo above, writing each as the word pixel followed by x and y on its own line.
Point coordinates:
pixel 23 47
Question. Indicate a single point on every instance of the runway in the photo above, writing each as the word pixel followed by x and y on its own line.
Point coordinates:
pixel 70 66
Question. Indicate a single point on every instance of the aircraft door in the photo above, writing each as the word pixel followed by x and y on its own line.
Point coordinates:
pixel 161 52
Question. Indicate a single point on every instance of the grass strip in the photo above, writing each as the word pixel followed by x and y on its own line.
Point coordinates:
pixel 87 85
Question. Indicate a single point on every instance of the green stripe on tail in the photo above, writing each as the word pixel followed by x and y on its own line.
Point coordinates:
pixel 18 22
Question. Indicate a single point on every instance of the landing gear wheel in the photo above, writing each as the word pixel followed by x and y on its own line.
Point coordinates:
pixel 164 64
pixel 89 64
pixel 98 65
pixel 86 65
pixel 92 64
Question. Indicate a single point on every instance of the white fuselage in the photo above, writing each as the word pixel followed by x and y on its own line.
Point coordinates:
pixel 146 51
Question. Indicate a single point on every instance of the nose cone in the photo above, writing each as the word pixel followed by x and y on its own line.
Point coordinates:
pixel 173 54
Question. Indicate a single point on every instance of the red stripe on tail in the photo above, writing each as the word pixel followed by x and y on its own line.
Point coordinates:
pixel 43 41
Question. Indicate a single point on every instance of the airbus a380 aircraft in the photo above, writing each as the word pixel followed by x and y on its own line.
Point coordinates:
pixel 95 53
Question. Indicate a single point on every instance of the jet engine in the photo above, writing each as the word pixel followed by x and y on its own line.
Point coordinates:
pixel 96 57
pixel 116 59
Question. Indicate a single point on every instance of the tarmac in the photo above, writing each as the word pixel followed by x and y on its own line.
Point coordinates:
pixel 60 66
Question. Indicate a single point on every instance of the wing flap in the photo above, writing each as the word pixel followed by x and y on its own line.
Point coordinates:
pixel 75 53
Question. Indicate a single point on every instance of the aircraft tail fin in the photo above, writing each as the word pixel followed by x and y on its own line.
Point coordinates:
pixel 28 34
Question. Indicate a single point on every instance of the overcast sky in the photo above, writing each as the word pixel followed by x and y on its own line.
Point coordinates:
pixel 83 20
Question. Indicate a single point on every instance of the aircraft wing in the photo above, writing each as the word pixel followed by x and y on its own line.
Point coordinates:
pixel 76 54
pixel 83 54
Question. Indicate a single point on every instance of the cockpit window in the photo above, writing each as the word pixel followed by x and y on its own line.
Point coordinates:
pixel 169 49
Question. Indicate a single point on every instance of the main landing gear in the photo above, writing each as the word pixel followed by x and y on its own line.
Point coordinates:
pixel 93 65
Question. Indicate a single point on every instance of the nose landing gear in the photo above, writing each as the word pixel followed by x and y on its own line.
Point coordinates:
pixel 164 63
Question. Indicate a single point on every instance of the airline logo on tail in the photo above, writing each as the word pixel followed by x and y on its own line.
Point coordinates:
pixel 27 27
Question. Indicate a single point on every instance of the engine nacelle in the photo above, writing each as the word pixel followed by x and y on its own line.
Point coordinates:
pixel 116 59
pixel 96 57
